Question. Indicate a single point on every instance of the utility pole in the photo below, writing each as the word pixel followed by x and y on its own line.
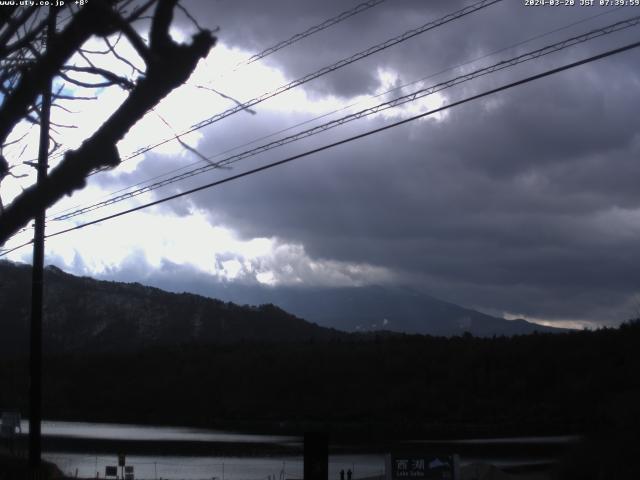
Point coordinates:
pixel 316 456
pixel 35 359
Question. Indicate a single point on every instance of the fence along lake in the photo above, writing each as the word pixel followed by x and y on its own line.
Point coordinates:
pixel 238 467
pixel 216 467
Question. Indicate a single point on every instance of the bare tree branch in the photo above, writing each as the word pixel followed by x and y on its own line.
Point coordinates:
pixel 237 102
pixel 135 40
pixel 169 66
pixel 159 37
pixel 63 108
pixel 112 78
pixel 190 17
pixel 12 26
pixel 184 144
pixel 112 49
pixel 136 14
pixel 72 97
pixel 82 84
pixel 17 140
pixel 27 89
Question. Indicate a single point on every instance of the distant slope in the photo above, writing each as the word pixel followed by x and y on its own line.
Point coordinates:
pixel 381 308
pixel 85 314
pixel 82 313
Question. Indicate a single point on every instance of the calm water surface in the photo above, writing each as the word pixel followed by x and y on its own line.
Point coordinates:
pixel 222 468
pixel 192 468
pixel 218 468
pixel 140 432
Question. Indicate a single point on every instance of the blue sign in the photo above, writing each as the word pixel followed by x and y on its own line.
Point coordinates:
pixel 422 467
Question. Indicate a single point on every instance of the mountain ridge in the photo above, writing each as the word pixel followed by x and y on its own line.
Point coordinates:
pixel 377 308
pixel 83 313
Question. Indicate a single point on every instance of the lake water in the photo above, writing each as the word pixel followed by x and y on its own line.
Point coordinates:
pixel 223 468
pixel 142 432
pixel 218 468
pixel 192 468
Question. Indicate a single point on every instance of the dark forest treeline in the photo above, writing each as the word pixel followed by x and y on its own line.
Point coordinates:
pixel 84 315
pixel 534 384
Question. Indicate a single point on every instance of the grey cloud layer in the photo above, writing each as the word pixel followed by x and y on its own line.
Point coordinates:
pixel 526 203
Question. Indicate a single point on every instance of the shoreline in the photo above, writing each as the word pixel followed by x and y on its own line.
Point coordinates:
pixel 16 467
pixel 497 448
pixel 349 432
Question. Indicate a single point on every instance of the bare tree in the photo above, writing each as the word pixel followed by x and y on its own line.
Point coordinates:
pixel 30 58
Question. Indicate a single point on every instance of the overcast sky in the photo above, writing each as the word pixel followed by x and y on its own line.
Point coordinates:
pixel 522 204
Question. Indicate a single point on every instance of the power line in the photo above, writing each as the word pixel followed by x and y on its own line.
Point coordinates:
pixel 356 137
pixel 586 19
pixel 295 38
pixel 310 31
pixel 381 94
pixel 323 71
pixel 530 39
pixel 398 88
pixel 365 53
pixel 421 93
pixel 4 252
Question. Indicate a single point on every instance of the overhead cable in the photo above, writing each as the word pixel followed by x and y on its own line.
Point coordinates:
pixel 310 31
pixel 269 166
pixel 416 95
pixel 295 38
pixel 341 109
pixel 323 71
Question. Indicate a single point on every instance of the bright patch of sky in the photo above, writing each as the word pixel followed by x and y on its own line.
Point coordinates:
pixel 390 81
pixel 558 323
pixel 192 240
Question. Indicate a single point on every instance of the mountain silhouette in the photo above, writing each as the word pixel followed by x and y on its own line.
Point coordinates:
pixel 85 314
pixel 377 308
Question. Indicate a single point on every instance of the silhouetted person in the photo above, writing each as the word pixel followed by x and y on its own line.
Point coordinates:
pixel 342 474
pixel 349 474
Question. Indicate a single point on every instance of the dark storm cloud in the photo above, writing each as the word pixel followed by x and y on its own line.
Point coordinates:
pixel 254 25
pixel 526 202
